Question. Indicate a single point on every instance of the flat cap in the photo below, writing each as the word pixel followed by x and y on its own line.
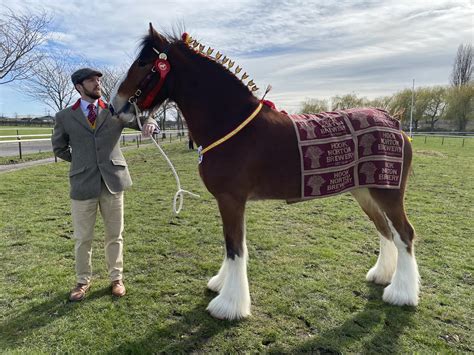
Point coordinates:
pixel 82 74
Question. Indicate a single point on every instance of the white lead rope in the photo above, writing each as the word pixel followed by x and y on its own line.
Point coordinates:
pixel 180 191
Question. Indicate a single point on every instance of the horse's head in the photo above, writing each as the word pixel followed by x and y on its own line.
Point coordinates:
pixel 145 82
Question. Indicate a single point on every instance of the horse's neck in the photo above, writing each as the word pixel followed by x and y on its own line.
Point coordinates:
pixel 211 114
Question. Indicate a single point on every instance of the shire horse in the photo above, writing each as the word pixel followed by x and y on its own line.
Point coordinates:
pixel 261 161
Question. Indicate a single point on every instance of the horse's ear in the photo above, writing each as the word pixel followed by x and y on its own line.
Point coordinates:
pixel 151 30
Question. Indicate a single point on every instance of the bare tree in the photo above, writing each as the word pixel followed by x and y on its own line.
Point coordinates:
pixel 51 82
pixel 111 76
pixel 21 35
pixel 462 68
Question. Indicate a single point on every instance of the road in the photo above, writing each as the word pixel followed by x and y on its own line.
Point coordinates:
pixel 13 149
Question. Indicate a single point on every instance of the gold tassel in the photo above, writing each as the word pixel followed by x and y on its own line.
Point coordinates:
pixel 255 88
pixel 218 55
pixel 231 64
pixel 244 76
pixel 250 83
pixel 225 60
pixel 209 51
pixel 238 70
pixel 201 47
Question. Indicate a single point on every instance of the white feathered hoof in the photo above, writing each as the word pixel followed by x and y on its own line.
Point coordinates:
pixel 379 276
pixel 399 296
pixel 215 283
pixel 229 308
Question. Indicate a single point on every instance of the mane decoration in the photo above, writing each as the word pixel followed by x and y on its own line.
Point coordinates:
pixel 224 61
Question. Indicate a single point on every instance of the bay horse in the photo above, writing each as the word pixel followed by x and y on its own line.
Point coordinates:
pixel 261 161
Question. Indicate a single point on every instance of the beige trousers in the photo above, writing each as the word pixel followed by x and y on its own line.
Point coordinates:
pixel 84 213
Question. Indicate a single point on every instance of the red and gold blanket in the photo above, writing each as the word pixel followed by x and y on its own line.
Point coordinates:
pixel 347 149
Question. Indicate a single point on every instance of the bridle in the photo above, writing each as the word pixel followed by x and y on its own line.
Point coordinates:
pixel 162 67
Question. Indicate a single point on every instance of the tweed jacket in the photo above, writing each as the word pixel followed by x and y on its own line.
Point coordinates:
pixel 94 153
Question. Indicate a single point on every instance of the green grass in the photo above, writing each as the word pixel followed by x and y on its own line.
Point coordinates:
pixel 306 269
pixel 25 157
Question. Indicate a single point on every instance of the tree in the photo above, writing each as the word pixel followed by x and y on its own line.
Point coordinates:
pixel 110 79
pixel 347 101
pixel 401 103
pixel 51 82
pixel 383 102
pixel 460 101
pixel 311 106
pixel 462 67
pixel 436 105
pixel 21 35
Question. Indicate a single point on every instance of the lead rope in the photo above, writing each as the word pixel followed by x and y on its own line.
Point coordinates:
pixel 180 191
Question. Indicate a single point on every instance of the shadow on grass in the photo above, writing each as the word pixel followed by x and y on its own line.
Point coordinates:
pixel 375 329
pixel 21 325
pixel 181 333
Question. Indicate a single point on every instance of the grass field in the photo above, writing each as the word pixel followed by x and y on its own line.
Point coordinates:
pixel 306 269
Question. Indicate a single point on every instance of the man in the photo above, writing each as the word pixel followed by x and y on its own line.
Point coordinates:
pixel 88 136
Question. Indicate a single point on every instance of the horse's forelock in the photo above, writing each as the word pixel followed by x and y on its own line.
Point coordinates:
pixel 156 40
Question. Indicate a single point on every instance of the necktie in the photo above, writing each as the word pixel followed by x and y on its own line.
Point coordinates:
pixel 92 115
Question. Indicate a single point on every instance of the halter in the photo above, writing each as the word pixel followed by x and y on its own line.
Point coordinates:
pixel 163 67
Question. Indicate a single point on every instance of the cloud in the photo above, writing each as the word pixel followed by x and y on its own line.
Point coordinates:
pixel 303 48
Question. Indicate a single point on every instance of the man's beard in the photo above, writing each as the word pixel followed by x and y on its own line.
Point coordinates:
pixel 92 94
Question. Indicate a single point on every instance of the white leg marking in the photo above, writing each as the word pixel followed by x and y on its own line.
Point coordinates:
pixel 384 268
pixel 405 285
pixel 233 301
pixel 216 282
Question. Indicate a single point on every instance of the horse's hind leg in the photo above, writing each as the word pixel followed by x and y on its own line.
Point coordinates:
pixel 384 268
pixel 405 284
pixel 233 301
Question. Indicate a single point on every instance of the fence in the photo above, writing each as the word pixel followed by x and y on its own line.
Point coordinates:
pixel 20 144
pixel 444 135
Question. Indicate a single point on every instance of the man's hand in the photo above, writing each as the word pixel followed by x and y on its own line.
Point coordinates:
pixel 148 129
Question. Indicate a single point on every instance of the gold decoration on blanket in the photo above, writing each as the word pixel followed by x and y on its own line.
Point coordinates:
pixel 218 55
pixel 238 69
pixel 250 83
pixel 255 88
pixel 225 60
pixel 209 51
pixel 231 64
pixel 244 76
pixel 201 47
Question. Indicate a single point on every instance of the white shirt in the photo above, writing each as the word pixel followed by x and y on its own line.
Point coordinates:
pixel 85 109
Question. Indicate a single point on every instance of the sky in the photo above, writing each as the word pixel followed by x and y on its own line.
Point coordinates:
pixel 304 49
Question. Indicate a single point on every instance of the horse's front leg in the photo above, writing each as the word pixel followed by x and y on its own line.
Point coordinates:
pixel 233 301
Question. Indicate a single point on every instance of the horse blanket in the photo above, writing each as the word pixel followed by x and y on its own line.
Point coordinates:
pixel 344 150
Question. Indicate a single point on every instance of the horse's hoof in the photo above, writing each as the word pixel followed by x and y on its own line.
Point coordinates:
pixel 400 296
pixel 379 277
pixel 229 309
pixel 215 283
